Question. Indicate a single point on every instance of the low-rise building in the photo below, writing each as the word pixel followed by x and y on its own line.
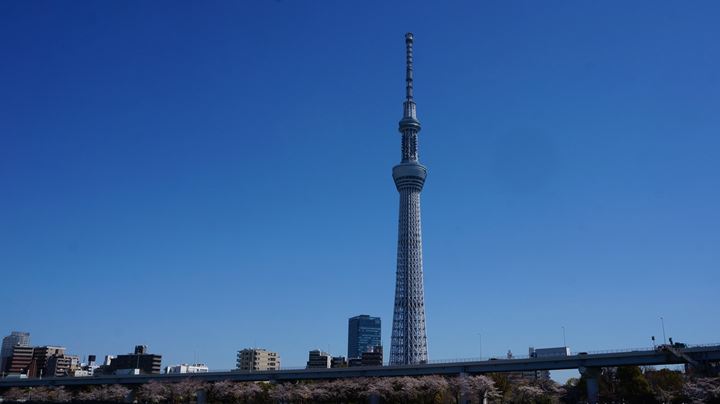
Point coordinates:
pixel 41 355
pixel 82 373
pixel 20 360
pixel 338 362
pixel 373 357
pixel 257 359
pixel 185 368
pixel 318 359
pixel 139 362
pixel 88 368
pixel 57 366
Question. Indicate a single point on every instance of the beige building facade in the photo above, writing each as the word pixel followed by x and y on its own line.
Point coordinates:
pixel 257 359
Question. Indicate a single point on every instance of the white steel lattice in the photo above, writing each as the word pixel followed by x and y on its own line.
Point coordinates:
pixel 409 340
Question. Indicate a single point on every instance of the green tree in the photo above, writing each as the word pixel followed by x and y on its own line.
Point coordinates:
pixel 572 391
pixel 666 384
pixel 503 386
pixel 632 387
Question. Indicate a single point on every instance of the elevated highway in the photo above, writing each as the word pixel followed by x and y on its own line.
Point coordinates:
pixel 700 354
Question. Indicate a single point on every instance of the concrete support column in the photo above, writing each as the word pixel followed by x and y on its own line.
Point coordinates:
pixel 201 396
pixel 374 399
pixel 463 396
pixel 592 376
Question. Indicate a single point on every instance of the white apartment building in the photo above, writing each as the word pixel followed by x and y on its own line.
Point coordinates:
pixel 185 368
pixel 257 359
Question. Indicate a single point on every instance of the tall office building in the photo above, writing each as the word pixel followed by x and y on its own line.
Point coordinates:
pixel 364 333
pixel 15 338
pixel 408 340
pixel 257 359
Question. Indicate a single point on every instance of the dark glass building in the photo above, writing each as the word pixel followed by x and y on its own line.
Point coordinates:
pixel 146 362
pixel 363 335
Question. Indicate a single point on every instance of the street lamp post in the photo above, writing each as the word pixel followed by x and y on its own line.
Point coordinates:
pixel 662 321
pixel 564 342
pixel 480 335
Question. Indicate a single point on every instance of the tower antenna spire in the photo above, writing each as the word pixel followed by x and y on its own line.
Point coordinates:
pixel 409 66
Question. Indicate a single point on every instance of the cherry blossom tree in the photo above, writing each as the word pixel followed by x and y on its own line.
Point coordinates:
pixel 237 392
pixel 282 392
pixel 114 393
pixel 225 392
pixel 152 392
pixel 702 390
pixel 473 388
pixel 254 392
pixel 40 394
pixel 433 388
pixel 15 394
pixel 183 391
pixel 526 394
pixel 59 395
pixel 343 390
pixel 381 387
pixel 89 393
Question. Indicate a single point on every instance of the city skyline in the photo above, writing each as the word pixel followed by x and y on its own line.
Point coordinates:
pixel 159 167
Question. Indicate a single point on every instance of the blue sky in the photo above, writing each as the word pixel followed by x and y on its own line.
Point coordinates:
pixel 204 177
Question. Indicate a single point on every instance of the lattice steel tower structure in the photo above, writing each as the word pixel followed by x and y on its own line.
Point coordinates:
pixel 409 341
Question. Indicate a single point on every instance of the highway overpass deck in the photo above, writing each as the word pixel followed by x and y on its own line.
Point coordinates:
pixel 646 357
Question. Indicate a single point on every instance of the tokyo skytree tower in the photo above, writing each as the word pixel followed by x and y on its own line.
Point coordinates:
pixel 409 342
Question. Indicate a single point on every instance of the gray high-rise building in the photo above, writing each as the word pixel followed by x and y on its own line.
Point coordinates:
pixel 364 333
pixel 18 338
pixel 409 341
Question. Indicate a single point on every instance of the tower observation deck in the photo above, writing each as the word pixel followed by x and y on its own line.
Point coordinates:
pixel 409 340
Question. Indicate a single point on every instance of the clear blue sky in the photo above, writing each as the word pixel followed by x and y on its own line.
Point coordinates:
pixel 204 177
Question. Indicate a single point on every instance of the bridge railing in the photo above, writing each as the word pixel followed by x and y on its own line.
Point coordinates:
pixel 492 358
pixel 479 359
pixel 596 352
pixel 514 356
pixel 703 345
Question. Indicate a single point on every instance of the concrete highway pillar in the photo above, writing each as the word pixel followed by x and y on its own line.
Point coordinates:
pixel 463 396
pixel 592 376
pixel 201 396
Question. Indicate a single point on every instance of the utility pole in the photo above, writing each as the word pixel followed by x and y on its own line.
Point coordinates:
pixel 564 342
